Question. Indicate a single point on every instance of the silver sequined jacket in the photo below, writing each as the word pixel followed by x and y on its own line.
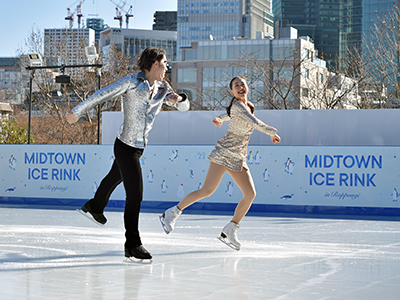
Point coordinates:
pixel 138 108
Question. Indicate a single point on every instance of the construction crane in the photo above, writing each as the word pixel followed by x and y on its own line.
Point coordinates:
pixel 118 17
pixel 119 10
pixel 78 11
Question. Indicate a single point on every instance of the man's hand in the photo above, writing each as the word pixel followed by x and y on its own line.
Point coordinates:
pixel 71 118
pixel 174 98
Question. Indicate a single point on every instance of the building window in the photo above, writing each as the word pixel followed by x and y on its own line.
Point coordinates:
pixel 187 75
pixel 304 92
pixel 305 72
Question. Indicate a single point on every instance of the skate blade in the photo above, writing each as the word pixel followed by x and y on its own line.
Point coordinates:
pixel 88 215
pixel 229 244
pixel 163 224
pixel 132 260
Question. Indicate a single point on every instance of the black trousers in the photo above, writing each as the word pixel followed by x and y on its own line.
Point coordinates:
pixel 126 168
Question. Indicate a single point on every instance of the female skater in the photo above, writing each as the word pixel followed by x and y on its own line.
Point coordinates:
pixel 229 156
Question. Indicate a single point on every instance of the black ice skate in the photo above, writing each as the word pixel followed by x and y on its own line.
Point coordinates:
pixel 229 236
pixel 97 218
pixel 138 255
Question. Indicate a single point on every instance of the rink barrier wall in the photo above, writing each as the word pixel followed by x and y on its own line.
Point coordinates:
pixel 333 127
pixel 211 208
pixel 334 180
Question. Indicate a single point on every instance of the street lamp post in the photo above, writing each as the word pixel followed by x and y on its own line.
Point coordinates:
pixel 65 79
pixel 32 74
pixel 98 106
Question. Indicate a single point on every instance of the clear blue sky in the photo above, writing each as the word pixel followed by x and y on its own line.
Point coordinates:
pixel 18 18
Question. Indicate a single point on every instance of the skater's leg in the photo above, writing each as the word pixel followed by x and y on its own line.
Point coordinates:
pixel 105 189
pixel 129 165
pixel 245 182
pixel 97 204
pixel 213 179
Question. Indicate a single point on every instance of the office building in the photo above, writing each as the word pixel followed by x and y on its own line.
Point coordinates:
pixel 67 46
pixel 200 20
pixel 318 19
pixel 380 45
pixel 165 20
pixel 350 33
pixel 97 24
pixel 133 41
pixel 208 66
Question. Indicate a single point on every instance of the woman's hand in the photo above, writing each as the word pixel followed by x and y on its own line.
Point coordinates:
pixel 71 118
pixel 216 122
pixel 275 138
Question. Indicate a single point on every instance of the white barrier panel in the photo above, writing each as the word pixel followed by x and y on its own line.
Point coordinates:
pixel 302 179
pixel 333 127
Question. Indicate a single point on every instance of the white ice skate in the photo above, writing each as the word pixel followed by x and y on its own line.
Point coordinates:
pixel 229 236
pixel 168 218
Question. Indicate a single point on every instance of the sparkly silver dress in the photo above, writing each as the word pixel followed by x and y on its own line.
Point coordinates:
pixel 231 150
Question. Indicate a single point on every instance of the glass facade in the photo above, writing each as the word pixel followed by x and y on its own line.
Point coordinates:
pixel 201 20
pixel 318 19
pixel 219 61
pixel 133 41
pixel 134 45
pixel 374 10
pixel 350 28
pixel 187 75
pixel 244 49
pixel 97 24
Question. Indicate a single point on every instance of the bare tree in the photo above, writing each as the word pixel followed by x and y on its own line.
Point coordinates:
pixel 52 101
pixel 292 79
pixel 381 52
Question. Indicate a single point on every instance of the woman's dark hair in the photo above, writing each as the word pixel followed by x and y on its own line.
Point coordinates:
pixel 149 56
pixel 228 109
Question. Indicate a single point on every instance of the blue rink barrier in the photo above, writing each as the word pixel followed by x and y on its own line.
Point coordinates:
pixel 340 180
pixel 214 208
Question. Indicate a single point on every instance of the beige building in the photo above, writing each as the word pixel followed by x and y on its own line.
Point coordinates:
pixel 67 46
pixel 282 74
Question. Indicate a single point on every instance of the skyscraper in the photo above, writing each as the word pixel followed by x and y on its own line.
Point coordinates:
pixel 200 20
pixel 97 24
pixel 371 11
pixel 350 36
pixel 380 43
pixel 318 19
pixel 165 20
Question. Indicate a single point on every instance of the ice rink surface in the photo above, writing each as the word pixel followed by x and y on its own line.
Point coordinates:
pixel 59 254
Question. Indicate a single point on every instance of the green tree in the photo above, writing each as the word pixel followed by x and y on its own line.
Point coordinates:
pixel 12 132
